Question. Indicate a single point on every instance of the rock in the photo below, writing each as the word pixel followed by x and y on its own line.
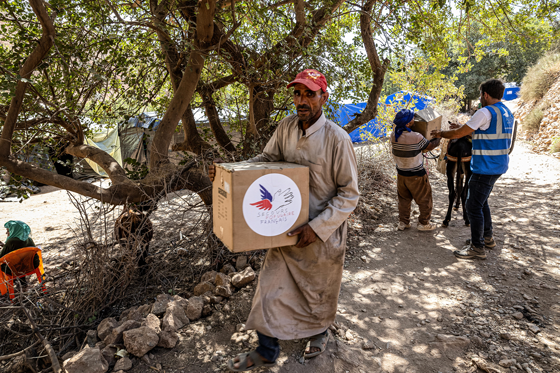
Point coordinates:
pixel 125 314
pixel 181 301
pixel 152 322
pixel 485 334
pixel 168 339
pixel 506 363
pixel 209 276
pixel 240 328
pixel 106 326
pixel 68 355
pixel 243 278
pixel 136 313
pixel 109 354
pixel 146 360
pixel 139 341
pixel 505 336
pixel 241 262
pixel 487 366
pixel 215 299
pixel 160 305
pixel 535 329
pixel 458 341
pixel 91 337
pixel 223 291
pixel 207 310
pixel 123 364
pixel 203 287
pixel 175 317
pixel 194 310
pixel 227 269
pixel 367 345
pixel 240 337
pixel 89 360
pixel 117 333
pixel 518 315
pixel 222 280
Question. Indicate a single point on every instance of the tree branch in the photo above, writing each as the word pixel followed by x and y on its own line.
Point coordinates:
pixel 43 46
pixel 378 69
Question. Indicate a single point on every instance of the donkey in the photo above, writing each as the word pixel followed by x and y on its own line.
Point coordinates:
pixel 458 170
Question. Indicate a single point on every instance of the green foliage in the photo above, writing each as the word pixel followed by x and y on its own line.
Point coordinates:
pixel 540 77
pixel 134 169
pixel 508 57
pixel 555 145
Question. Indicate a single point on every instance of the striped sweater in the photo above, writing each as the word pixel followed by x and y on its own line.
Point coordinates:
pixel 407 153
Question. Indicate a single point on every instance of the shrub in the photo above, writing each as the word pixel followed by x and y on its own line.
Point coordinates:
pixel 540 77
pixel 555 146
pixel 532 121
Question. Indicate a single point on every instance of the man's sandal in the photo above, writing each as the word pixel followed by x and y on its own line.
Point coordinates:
pixel 318 341
pixel 255 357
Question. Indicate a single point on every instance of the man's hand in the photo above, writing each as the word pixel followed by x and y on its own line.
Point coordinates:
pixel 306 235
pixel 212 169
pixel 436 134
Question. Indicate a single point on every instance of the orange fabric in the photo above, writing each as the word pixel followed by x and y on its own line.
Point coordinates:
pixel 20 263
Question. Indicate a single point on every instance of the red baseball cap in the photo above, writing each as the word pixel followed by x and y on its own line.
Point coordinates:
pixel 312 79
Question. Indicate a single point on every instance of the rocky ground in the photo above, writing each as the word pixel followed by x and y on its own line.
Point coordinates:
pixel 406 303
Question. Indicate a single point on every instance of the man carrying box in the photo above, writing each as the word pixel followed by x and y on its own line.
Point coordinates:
pixel 492 139
pixel 412 180
pixel 297 293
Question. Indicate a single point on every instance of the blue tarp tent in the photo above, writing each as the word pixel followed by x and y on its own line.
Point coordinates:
pixel 398 100
pixel 346 113
pixel 511 93
pixel 410 100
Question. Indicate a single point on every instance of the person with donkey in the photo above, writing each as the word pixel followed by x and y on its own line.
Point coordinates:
pixel 298 288
pixel 412 180
pixel 493 127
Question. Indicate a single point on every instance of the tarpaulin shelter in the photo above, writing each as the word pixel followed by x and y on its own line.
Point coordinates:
pixel 131 139
pixel 393 103
pixel 511 93
pixel 408 100
pixel 345 113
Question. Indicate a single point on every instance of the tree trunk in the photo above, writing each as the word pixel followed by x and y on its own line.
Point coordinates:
pixel 193 142
pixel 262 107
pixel 378 68
pixel 213 118
pixel 183 95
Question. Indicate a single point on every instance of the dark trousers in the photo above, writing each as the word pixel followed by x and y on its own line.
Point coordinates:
pixel 415 188
pixel 480 187
pixel 269 348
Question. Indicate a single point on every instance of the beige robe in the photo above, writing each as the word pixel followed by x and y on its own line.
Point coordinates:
pixel 297 293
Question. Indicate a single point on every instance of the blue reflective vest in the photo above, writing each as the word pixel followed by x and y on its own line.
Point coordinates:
pixel 490 154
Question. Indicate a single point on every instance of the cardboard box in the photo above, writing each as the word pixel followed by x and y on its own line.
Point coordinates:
pixel 257 204
pixel 425 121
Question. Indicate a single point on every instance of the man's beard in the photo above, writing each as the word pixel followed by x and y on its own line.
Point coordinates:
pixel 307 115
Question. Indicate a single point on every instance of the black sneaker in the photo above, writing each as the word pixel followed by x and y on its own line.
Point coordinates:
pixel 489 243
pixel 470 252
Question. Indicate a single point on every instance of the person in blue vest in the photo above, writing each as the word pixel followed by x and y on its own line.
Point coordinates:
pixel 492 139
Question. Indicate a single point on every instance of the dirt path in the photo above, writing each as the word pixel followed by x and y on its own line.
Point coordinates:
pixel 406 304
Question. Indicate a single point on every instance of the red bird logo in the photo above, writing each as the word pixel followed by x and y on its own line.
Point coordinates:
pixel 270 202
